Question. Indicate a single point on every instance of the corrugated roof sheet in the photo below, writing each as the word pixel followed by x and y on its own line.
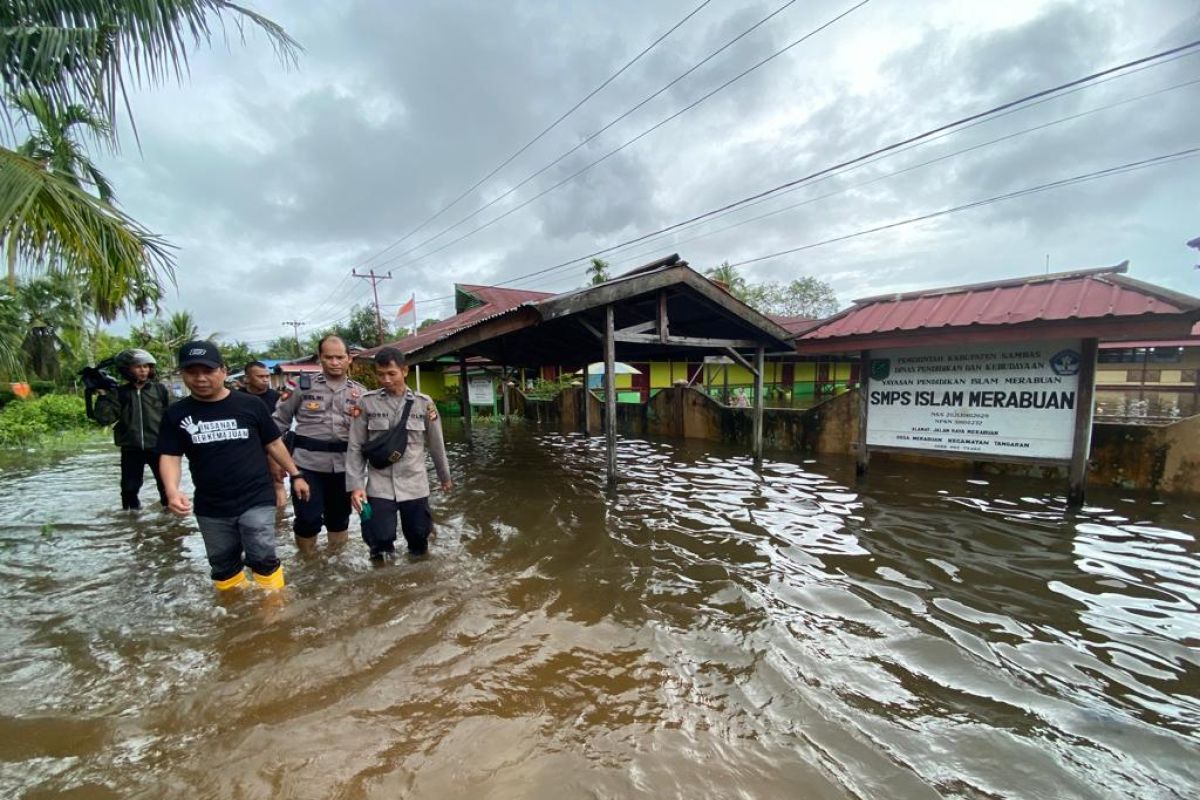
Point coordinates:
pixel 496 301
pixel 1092 294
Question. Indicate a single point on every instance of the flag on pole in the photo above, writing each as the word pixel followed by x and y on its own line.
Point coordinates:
pixel 408 308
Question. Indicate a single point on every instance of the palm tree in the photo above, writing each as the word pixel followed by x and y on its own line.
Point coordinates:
pixel 81 54
pixel 598 271
pixel 729 276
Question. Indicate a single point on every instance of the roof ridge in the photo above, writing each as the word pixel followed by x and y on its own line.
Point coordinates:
pixel 1000 284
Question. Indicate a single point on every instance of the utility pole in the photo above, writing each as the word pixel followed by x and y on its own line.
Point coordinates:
pixel 375 279
pixel 295 323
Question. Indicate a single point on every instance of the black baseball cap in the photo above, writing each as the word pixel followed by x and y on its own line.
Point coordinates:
pixel 200 352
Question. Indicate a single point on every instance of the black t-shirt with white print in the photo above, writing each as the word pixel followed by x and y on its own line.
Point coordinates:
pixel 223 442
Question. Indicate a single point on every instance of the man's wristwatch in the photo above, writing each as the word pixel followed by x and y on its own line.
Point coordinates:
pixel 297 476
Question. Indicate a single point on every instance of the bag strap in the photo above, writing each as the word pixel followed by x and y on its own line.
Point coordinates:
pixel 408 404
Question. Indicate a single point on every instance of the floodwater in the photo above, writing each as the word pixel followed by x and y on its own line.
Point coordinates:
pixel 706 632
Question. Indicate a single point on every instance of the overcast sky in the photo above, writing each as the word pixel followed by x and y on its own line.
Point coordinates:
pixel 274 183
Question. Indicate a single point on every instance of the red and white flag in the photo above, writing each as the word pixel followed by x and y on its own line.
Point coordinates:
pixel 408 308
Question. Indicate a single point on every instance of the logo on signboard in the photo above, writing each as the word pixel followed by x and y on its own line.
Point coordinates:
pixel 1065 363
pixel 881 368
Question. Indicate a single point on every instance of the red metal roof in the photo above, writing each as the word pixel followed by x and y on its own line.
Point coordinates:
pixel 494 300
pixel 793 325
pixel 1096 296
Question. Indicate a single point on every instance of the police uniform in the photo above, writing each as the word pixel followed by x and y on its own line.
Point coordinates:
pixel 322 412
pixel 401 488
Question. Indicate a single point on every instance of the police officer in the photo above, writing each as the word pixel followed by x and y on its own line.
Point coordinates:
pixel 395 418
pixel 322 408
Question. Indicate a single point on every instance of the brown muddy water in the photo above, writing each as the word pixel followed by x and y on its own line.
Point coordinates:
pixel 706 632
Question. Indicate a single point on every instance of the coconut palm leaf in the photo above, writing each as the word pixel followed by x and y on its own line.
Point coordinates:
pixel 46 219
pixel 84 51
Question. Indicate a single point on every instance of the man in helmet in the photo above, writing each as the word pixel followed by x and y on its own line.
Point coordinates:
pixel 136 407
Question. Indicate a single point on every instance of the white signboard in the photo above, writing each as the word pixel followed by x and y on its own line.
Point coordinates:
pixel 479 392
pixel 991 399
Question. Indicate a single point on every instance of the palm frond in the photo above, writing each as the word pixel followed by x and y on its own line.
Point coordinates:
pixel 46 219
pixel 84 51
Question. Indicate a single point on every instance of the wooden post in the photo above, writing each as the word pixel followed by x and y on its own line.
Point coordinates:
pixel 862 458
pixel 610 393
pixel 759 369
pixel 726 388
pixel 504 390
pixel 1085 401
pixel 464 396
pixel 587 407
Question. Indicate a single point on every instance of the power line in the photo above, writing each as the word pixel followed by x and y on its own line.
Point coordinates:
pixel 375 279
pixel 1120 169
pixel 627 143
pixel 545 131
pixel 920 165
pixel 959 123
pixel 590 137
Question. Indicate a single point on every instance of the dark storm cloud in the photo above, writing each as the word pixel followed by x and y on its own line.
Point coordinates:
pixel 398 108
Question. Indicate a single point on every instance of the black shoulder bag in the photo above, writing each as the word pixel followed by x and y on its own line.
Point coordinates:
pixel 388 447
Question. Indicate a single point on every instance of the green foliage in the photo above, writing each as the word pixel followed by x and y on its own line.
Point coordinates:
pixel 546 390
pixel 65 64
pixel 803 297
pixel 63 411
pixel 597 271
pixel 25 422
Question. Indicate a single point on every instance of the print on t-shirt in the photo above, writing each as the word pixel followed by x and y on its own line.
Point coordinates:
pixel 216 430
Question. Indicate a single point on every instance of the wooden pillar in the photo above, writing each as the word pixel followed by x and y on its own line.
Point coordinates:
pixel 587 407
pixel 726 388
pixel 759 369
pixel 610 394
pixel 862 458
pixel 504 391
pixel 464 396
pixel 1085 401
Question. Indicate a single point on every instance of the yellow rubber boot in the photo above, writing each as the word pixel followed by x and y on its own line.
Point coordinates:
pixel 231 583
pixel 272 581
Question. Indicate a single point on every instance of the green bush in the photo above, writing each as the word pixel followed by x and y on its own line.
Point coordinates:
pixel 63 412
pixel 23 422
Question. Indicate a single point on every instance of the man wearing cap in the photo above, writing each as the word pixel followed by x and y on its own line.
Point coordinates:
pixel 137 407
pixel 227 437
pixel 322 408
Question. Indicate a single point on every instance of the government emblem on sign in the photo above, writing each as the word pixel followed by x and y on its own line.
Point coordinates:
pixel 881 368
pixel 1065 363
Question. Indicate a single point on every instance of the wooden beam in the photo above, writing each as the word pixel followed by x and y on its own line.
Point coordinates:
pixel 587 407
pixel 591 329
pixel 464 396
pixel 758 405
pixel 739 358
pixel 1085 401
pixel 862 458
pixel 461 341
pixel 664 323
pixel 641 327
pixel 610 395
pixel 684 341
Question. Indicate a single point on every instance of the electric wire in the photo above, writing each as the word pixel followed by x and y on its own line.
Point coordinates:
pixel 592 136
pixel 538 138
pixel 866 156
pixel 626 144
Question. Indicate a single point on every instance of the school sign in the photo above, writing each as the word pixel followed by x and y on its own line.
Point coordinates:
pixel 1015 399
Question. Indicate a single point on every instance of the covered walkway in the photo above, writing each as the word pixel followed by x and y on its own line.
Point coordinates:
pixel 662 310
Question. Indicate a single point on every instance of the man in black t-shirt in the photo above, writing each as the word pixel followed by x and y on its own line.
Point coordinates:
pixel 257 383
pixel 227 437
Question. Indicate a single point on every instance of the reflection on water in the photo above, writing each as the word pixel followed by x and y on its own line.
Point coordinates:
pixel 705 631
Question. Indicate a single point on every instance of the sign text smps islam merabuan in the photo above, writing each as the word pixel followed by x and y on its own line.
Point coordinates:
pixel 990 399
